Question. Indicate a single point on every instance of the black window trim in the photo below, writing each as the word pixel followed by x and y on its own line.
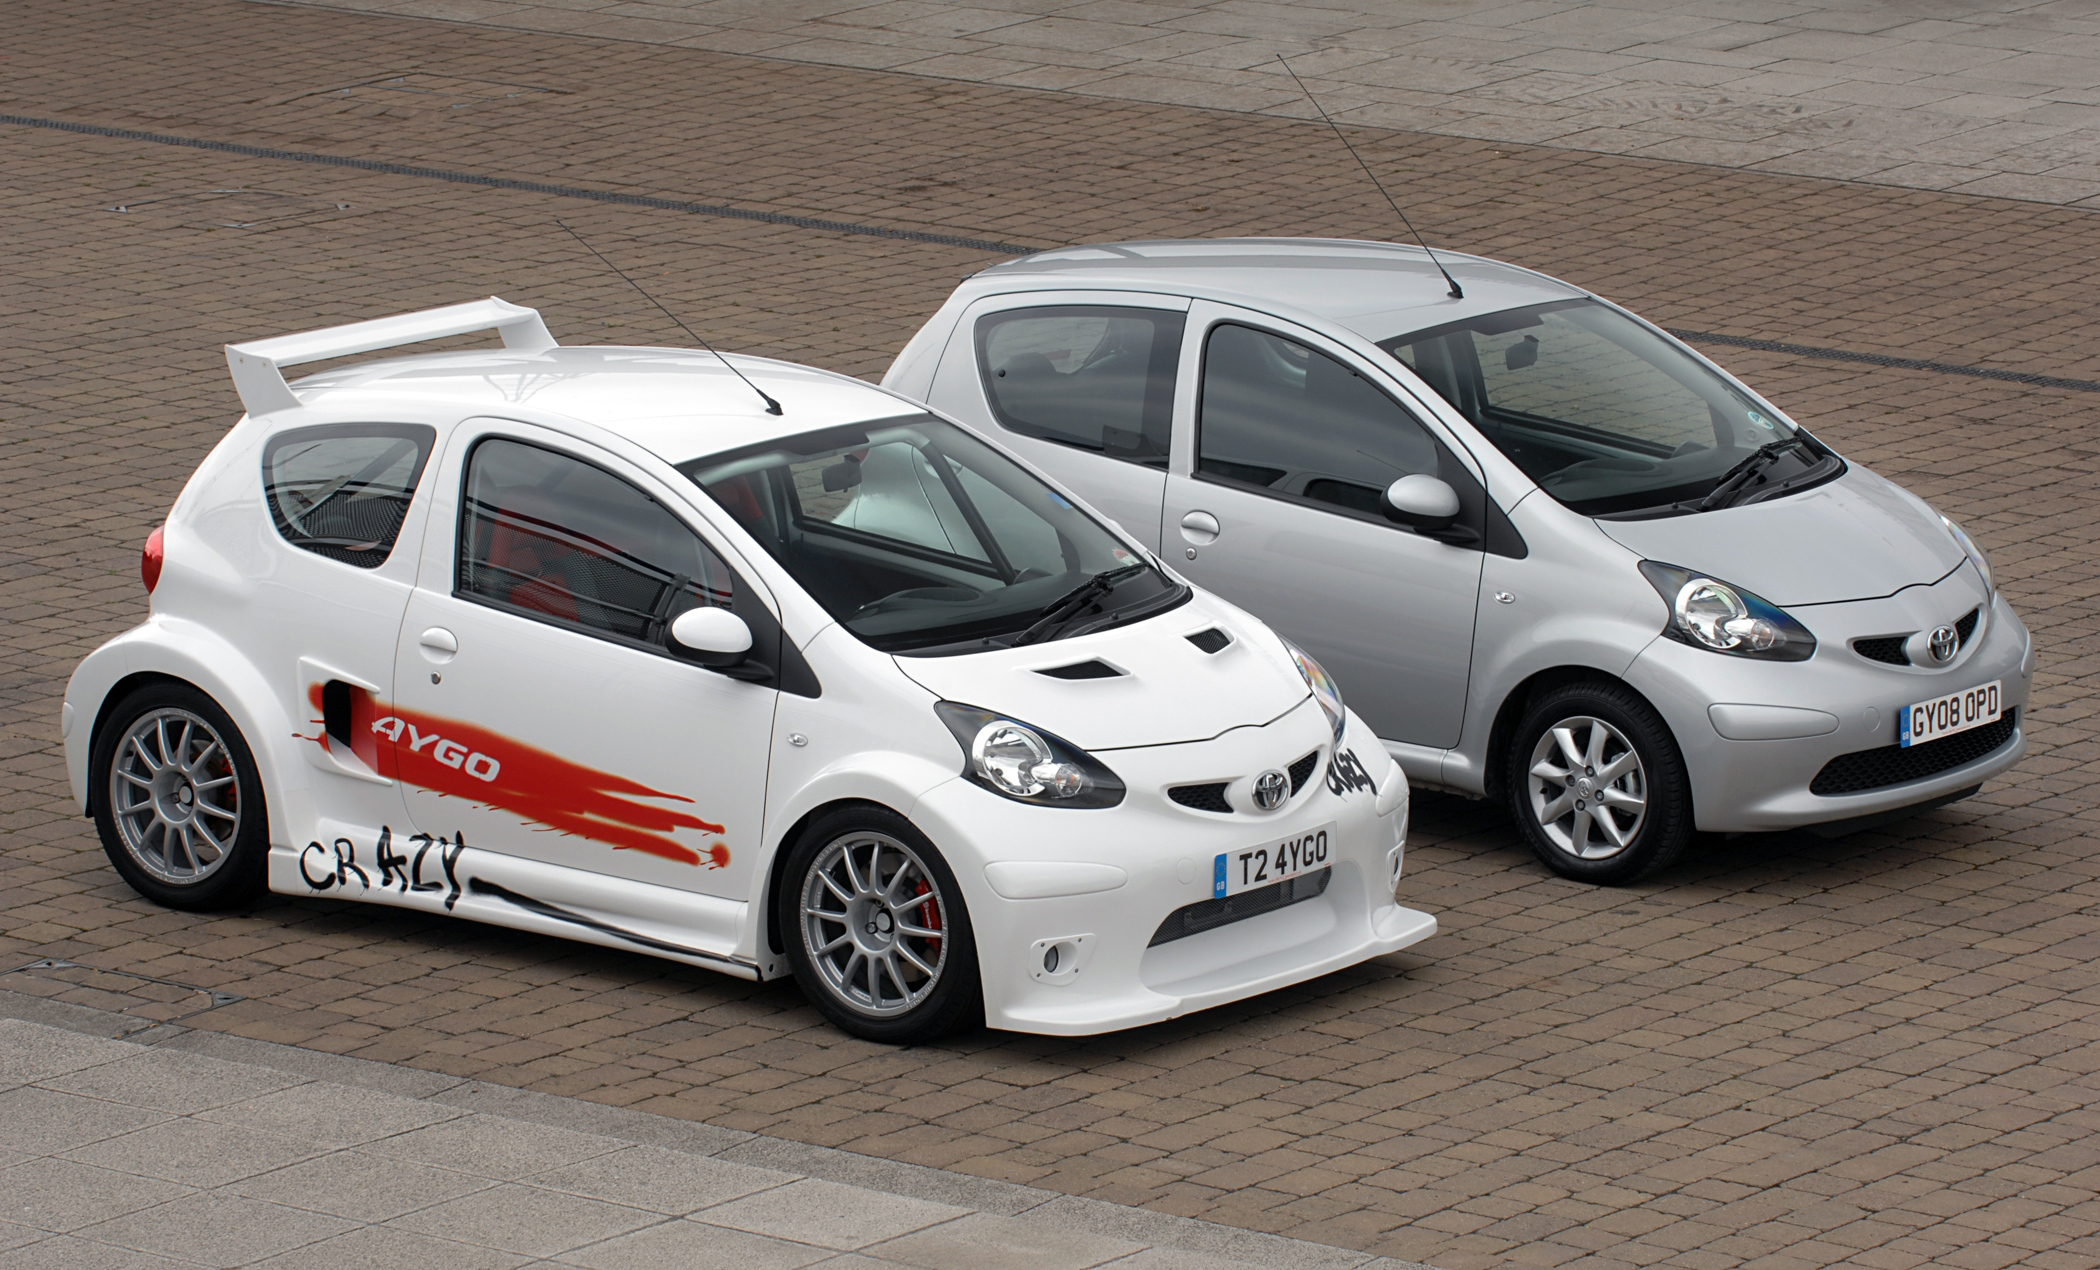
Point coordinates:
pixel 980 329
pixel 1494 533
pixel 422 433
pixel 787 671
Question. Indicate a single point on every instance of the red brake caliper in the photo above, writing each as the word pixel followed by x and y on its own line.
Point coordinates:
pixel 932 909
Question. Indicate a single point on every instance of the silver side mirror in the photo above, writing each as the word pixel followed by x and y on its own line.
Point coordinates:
pixel 710 636
pixel 1421 502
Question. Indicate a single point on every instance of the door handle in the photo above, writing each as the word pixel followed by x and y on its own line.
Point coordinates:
pixel 1201 528
pixel 439 644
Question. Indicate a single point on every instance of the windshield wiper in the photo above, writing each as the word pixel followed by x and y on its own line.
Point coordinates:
pixel 1066 606
pixel 1739 475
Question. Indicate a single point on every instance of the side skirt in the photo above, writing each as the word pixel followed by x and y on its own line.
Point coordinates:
pixel 446 877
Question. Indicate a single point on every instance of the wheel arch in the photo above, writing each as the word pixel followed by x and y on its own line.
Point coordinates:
pixel 771 938
pixel 180 653
pixel 1519 699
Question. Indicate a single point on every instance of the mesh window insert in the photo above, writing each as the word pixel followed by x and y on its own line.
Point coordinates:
pixel 342 490
pixel 562 540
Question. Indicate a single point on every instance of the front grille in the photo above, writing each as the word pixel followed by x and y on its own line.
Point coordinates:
pixel 1302 770
pixel 1894 765
pixel 1194 919
pixel 1889 648
pixel 1884 648
pixel 1202 797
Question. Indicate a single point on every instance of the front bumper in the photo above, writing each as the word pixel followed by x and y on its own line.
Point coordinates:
pixel 1110 973
pixel 1769 784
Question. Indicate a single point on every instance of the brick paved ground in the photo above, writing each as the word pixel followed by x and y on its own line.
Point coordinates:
pixel 1878 1052
pixel 1997 97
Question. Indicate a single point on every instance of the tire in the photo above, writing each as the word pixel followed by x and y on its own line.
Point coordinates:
pixel 1634 820
pixel 855 881
pixel 178 802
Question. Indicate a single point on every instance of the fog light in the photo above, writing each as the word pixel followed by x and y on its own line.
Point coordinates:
pixel 1050 960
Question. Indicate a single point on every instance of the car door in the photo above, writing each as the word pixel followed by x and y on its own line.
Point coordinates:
pixel 1274 503
pixel 538 711
pixel 342 499
pixel 1081 384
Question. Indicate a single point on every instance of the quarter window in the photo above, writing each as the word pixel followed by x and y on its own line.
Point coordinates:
pixel 1098 378
pixel 342 490
pixel 562 540
pixel 1292 421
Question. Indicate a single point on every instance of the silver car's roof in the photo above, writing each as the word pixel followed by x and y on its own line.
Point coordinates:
pixel 1376 289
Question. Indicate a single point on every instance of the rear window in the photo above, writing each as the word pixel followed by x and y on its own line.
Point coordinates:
pixel 1094 377
pixel 342 490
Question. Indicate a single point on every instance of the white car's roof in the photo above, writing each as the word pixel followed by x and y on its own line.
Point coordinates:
pixel 678 403
pixel 1376 289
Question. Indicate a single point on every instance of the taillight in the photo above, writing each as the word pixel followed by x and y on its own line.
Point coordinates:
pixel 149 560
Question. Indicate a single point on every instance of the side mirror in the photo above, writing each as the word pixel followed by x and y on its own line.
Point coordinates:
pixel 715 638
pixel 1421 503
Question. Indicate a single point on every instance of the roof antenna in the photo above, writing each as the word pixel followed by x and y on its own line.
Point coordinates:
pixel 1457 293
pixel 772 406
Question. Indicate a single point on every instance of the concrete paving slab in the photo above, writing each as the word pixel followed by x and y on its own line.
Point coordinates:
pixel 193 1152
pixel 60 1195
pixel 828 1215
pixel 667 1182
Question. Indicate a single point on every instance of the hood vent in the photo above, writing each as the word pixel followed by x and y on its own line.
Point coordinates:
pixel 1092 668
pixel 1210 641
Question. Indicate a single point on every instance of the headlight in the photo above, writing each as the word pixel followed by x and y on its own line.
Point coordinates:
pixel 1026 763
pixel 1324 689
pixel 1709 613
pixel 1974 553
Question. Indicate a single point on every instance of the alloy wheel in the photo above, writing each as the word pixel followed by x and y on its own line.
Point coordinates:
pixel 872 924
pixel 1589 790
pixel 174 796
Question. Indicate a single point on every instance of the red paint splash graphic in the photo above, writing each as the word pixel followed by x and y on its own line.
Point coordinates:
pixel 460 760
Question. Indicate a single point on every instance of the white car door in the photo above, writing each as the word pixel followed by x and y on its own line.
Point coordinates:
pixel 1273 502
pixel 1079 383
pixel 538 712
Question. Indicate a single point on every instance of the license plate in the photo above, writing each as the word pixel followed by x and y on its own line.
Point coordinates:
pixel 1253 867
pixel 1945 716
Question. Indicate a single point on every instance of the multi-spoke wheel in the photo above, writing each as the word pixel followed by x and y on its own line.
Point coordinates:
pixel 179 808
pixel 1596 784
pixel 876 929
pixel 1589 792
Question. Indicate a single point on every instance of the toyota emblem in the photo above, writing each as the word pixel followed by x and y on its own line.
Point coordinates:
pixel 1945 643
pixel 1270 789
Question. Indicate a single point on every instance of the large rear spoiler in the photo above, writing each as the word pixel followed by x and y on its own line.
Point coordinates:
pixel 257 365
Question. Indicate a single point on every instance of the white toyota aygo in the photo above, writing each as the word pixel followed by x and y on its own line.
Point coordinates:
pixel 734 662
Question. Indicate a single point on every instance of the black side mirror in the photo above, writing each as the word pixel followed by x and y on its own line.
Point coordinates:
pixel 1522 353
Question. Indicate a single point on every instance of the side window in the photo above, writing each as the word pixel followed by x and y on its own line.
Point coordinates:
pixel 1293 421
pixel 342 490
pixel 1095 377
pixel 557 538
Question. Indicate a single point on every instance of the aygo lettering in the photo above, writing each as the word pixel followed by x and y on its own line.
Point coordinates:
pixel 451 753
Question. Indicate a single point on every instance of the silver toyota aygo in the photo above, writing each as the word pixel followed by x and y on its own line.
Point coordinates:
pixel 1555 556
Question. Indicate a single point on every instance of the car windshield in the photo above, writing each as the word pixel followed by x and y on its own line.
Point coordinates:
pixel 1609 417
pixel 919 537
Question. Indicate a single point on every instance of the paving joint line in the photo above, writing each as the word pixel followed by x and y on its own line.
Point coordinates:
pixel 512 183
pixel 616 197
